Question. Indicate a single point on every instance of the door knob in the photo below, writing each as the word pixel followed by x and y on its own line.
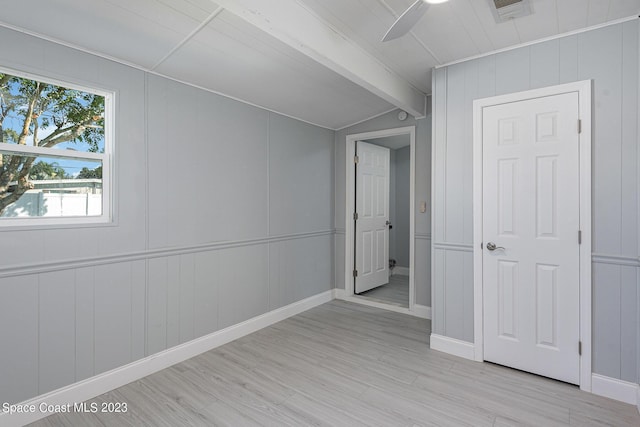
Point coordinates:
pixel 492 246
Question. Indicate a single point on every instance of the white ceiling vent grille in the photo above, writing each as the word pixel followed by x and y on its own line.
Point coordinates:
pixel 504 10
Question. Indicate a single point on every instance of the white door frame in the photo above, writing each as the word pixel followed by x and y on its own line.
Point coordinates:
pixel 583 89
pixel 350 178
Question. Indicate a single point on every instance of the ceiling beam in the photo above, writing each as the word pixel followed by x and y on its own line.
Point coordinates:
pixel 299 27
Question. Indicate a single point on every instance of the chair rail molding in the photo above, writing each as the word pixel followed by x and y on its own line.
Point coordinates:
pixel 44 267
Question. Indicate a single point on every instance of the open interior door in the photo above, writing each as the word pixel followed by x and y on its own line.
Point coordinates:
pixel 372 216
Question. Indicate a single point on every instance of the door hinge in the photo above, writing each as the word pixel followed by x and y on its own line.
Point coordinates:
pixel 579 348
pixel 579 126
pixel 356 159
pixel 355 273
pixel 579 237
pixel 355 216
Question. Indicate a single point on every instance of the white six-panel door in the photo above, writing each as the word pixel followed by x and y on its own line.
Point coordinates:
pixel 531 295
pixel 372 225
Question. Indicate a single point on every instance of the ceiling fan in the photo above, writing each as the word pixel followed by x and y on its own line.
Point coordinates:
pixel 409 18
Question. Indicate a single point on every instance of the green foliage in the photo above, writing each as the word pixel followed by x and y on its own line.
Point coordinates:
pixel 45 106
pixel 43 170
pixel 10 136
pixel 86 173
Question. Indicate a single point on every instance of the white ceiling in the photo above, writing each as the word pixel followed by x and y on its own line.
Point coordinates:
pixel 197 42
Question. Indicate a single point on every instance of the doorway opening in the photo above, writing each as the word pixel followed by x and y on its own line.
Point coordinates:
pixel 380 216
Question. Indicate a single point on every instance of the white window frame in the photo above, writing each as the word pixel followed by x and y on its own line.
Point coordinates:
pixel 107 171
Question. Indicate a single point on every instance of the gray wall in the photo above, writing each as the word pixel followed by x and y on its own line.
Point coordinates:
pixel 609 56
pixel 75 302
pixel 399 176
pixel 422 190
pixel 401 224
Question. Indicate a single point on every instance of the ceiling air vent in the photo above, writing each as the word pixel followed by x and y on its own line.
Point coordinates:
pixel 504 10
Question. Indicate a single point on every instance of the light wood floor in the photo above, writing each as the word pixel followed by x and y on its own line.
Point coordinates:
pixel 395 292
pixel 343 364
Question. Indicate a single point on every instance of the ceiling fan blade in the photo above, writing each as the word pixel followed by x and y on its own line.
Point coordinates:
pixel 406 21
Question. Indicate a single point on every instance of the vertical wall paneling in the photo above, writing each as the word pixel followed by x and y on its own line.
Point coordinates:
pixel 276 280
pixel 138 310
pixel 472 91
pixel 84 312
pixel 455 155
pixel 243 287
pixel 629 141
pixel 339 258
pixel 207 278
pixel 545 64
pixel 513 71
pixel 486 76
pixel 423 270
pixel 57 325
pixel 456 297
pixel 129 163
pixel 173 301
pixel 440 101
pixel 19 338
pixel 608 56
pixel 157 294
pixel 568 65
pixel 187 297
pixel 158 155
pixel 182 130
pixel 606 317
pixel 628 329
pixel 468 317
pixel 439 285
pixel 600 58
pixel 236 149
pixel 454 294
pixel 113 316
pixel 299 159
pixel 297 269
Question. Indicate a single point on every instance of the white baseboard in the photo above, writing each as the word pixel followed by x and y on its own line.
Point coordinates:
pixel 400 271
pixel 613 388
pixel 423 311
pixel 453 346
pixel 638 398
pixel 107 381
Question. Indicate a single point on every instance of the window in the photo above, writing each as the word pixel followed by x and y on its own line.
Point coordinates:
pixel 54 152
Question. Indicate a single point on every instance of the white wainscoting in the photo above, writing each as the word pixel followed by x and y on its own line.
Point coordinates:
pixel 613 388
pixel 453 346
pixel 118 377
